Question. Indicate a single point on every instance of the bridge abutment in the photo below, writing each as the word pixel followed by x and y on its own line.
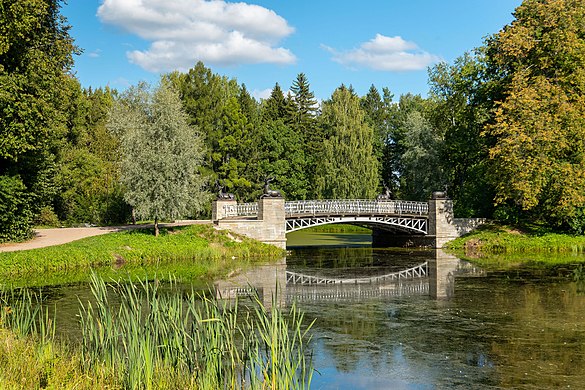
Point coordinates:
pixel 269 226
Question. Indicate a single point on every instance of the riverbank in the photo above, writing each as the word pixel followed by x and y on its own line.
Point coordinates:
pixel 502 247
pixel 202 251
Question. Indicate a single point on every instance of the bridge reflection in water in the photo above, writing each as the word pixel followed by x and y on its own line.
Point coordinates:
pixel 434 278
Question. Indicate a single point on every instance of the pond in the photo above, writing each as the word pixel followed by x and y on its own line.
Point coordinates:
pixel 457 328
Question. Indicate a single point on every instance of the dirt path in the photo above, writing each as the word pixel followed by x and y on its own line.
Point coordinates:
pixel 50 237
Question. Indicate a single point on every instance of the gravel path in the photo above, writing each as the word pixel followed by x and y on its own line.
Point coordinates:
pixel 50 237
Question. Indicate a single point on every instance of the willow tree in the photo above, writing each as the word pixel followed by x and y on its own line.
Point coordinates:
pixel 347 167
pixel 160 153
pixel 539 127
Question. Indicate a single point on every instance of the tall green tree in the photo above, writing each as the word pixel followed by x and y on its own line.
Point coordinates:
pixel 379 111
pixel 160 153
pixel 35 59
pixel 302 112
pixel 538 155
pixel 461 107
pixel 422 168
pixel 347 167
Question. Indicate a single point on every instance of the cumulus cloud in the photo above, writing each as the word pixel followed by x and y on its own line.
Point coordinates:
pixel 385 54
pixel 183 32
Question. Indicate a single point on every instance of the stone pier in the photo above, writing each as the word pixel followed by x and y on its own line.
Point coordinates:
pixel 269 226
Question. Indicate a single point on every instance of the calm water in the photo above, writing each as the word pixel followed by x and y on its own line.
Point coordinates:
pixel 458 329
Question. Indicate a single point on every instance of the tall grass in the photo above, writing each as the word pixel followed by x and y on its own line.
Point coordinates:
pixel 146 335
pixel 154 336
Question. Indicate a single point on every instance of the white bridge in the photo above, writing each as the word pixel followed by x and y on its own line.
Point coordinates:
pixel 398 214
pixel 419 271
pixel 429 223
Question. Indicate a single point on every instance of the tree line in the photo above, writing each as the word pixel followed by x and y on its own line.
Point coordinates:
pixel 502 129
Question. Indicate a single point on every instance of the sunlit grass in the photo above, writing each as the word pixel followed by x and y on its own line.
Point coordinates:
pixel 200 251
pixel 502 247
pixel 135 335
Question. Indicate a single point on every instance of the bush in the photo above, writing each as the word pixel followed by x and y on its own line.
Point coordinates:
pixel 15 213
pixel 47 217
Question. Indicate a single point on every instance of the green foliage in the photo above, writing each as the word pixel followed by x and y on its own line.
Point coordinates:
pixel 347 167
pixel 161 153
pixel 155 337
pixel 15 214
pixel 539 155
pixel 461 99
pixel 421 161
pixel 35 54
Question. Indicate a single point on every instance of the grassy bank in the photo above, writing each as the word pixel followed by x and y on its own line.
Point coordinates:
pixel 135 336
pixel 199 251
pixel 503 247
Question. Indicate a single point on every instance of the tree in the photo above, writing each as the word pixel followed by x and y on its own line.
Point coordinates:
pixel 35 59
pixel 347 167
pixel 302 109
pixel 160 153
pixel 421 161
pixel 460 108
pixel 538 155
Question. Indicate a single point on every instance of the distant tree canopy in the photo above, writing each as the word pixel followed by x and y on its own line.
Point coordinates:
pixel 502 129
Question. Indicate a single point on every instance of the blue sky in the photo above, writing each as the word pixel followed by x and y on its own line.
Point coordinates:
pixel 387 43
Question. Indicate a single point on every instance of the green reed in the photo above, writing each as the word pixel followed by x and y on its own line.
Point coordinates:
pixel 150 336
pixel 22 312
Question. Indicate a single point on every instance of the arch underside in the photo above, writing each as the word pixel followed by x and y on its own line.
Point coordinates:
pixel 411 225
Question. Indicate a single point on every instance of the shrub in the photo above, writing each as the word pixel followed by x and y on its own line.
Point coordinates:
pixel 15 213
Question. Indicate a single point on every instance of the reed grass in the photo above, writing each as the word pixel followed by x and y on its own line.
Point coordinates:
pixel 139 335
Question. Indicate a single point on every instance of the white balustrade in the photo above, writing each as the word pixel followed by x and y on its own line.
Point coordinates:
pixel 336 207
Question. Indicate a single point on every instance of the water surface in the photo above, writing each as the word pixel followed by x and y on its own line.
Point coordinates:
pixel 459 328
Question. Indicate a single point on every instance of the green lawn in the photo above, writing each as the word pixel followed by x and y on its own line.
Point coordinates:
pixel 197 251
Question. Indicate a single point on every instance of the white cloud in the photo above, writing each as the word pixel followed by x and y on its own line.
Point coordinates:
pixel 386 54
pixel 183 32
pixel 262 94
pixel 95 54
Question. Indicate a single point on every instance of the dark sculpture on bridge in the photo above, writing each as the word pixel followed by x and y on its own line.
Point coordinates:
pixel 268 193
pixel 387 195
pixel 223 195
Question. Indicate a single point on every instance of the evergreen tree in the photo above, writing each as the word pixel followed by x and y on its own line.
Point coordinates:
pixel 347 167
pixel 275 107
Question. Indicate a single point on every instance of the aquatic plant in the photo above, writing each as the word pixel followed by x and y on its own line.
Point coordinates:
pixel 149 335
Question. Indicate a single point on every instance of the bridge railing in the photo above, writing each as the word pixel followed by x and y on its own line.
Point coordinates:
pixel 354 207
pixel 335 207
pixel 241 210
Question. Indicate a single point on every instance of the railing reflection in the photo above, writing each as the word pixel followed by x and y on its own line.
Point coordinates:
pixel 270 281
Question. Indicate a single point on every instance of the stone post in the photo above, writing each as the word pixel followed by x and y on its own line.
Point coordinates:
pixel 441 221
pixel 218 208
pixel 271 213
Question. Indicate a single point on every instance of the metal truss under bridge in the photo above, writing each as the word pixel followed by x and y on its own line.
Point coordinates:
pixel 403 215
pixel 419 271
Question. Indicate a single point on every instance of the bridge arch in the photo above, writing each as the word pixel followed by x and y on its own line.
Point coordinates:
pixel 410 225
